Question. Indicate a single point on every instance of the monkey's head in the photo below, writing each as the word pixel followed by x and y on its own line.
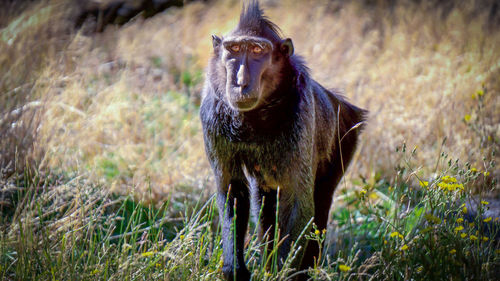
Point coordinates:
pixel 250 60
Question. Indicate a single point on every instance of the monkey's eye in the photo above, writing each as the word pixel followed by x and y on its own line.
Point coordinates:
pixel 235 48
pixel 257 50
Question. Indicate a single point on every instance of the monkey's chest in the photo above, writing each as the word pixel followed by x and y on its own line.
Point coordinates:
pixel 265 165
pixel 266 177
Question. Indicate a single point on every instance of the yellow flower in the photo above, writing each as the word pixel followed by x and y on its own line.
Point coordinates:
pixel 404 247
pixel 443 185
pixel 486 174
pixel 485 238
pixel 317 232
pixel 464 210
pixel 473 96
pixel 473 237
pixel 424 183
pixel 463 235
pixel 344 268
pixel 458 228
pixel 373 195
pixel 385 242
pixel 474 170
pixel 452 251
pixel 182 237
pixel 147 254
pixel 324 231
pixel 158 265
pixel 480 93
pixel 395 233
pixel 485 202
pixel 460 220
pixel 467 117
pixel 420 269
pixel 391 189
pixel 448 179
pixel 363 192
pixel 488 219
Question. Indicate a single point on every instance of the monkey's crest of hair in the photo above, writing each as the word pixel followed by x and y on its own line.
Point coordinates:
pixel 254 22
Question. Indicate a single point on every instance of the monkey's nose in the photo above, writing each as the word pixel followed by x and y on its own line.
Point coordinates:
pixel 242 77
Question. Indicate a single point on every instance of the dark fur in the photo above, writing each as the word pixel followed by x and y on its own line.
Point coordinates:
pixel 291 140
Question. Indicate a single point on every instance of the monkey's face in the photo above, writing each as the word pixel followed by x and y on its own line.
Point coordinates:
pixel 245 59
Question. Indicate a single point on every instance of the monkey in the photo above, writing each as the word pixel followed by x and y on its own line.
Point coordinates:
pixel 272 135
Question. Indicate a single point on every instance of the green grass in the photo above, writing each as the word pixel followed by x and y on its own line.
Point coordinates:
pixel 407 231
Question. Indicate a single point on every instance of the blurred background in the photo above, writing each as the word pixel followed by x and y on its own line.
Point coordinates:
pixel 109 91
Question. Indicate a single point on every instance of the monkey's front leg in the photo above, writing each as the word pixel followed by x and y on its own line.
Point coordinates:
pixel 296 208
pixel 234 227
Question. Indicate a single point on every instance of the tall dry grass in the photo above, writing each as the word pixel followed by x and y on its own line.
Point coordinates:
pixel 31 35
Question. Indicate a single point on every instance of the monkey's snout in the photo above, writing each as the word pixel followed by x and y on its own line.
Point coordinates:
pixel 245 91
pixel 243 77
pixel 246 103
pixel 242 83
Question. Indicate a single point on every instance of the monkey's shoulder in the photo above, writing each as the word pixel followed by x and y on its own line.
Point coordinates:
pixel 333 105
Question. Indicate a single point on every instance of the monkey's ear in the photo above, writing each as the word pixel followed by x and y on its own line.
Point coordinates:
pixel 286 47
pixel 216 41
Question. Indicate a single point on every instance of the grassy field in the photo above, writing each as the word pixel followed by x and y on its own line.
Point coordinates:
pixel 103 174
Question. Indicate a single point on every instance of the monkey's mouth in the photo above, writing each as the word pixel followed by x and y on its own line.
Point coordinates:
pixel 242 99
pixel 245 104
